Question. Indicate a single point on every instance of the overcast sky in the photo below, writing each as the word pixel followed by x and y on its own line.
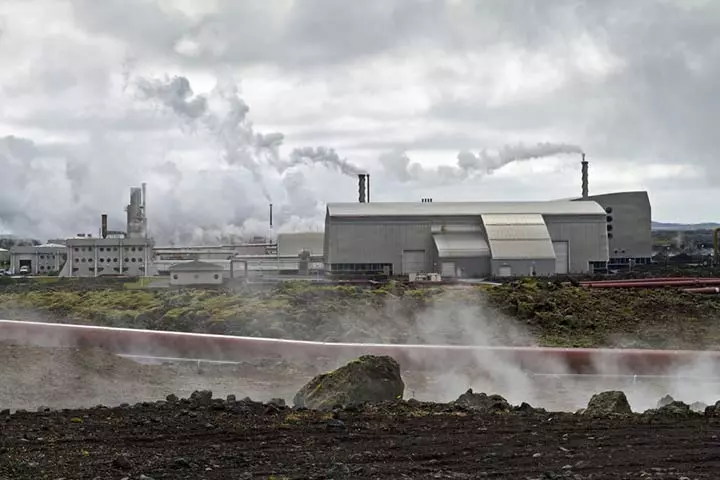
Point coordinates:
pixel 188 96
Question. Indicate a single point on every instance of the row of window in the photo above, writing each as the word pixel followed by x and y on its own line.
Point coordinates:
pixel 362 267
pixel 196 276
pixel 115 269
pixel 48 257
pixel 108 260
pixel 107 249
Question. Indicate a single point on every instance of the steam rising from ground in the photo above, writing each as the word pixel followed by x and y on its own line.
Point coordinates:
pixel 50 377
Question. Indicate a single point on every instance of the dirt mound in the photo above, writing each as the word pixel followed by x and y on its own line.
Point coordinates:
pixel 483 402
pixel 608 403
pixel 673 409
pixel 368 379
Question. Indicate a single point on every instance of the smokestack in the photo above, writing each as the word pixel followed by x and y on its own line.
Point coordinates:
pixel 271 215
pixel 584 177
pixel 144 208
pixel 103 225
pixel 367 179
pixel 361 187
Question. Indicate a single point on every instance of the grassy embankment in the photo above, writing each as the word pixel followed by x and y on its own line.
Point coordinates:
pixel 555 315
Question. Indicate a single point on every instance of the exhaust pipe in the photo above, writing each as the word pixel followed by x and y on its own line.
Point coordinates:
pixel 584 164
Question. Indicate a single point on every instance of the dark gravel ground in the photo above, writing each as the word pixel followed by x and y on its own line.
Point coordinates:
pixel 218 439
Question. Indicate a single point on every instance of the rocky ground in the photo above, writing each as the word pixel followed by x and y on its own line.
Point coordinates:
pixel 230 439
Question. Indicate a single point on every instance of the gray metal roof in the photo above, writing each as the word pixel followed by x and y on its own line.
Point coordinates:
pixel 518 236
pixel 461 245
pixel 394 209
pixel 196 266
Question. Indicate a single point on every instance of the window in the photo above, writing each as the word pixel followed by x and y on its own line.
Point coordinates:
pixel 175 276
pixel 126 260
pixel 139 249
pixel 115 260
pixel 610 236
pixel 76 249
pixel 609 218
pixel 102 249
pixel 102 260
pixel 134 259
pixel 609 228
pixel 42 257
pixel 608 210
pixel 216 276
pixel 114 249
pixel 133 249
pixel 77 260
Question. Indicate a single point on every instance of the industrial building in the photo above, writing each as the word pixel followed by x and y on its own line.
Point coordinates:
pixel 196 273
pixel 113 252
pixel 46 259
pixel 483 239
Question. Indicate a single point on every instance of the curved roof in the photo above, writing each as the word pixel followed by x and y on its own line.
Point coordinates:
pixel 395 209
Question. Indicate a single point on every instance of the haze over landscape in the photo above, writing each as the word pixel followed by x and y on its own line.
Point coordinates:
pixel 224 106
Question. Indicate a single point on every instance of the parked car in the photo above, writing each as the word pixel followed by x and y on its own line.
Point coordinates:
pixel 24 270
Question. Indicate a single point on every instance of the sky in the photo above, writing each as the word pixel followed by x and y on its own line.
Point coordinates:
pixel 225 106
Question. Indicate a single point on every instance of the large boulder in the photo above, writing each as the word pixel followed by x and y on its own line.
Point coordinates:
pixel 482 402
pixel 608 403
pixel 368 379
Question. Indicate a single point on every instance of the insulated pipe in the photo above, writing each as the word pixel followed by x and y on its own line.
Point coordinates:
pixel 667 283
pixel 711 290
pixel 654 279
pixel 227 348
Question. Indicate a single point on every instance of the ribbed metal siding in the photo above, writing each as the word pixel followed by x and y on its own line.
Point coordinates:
pixel 586 237
pixel 376 242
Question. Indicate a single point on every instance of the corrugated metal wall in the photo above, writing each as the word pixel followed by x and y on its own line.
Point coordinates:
pixel 586 236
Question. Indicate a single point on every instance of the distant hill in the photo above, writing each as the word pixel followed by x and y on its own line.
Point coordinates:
pixel 684 227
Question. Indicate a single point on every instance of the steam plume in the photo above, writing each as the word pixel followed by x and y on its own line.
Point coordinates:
pixel 324 156
pixel 470 165
pixel 230 127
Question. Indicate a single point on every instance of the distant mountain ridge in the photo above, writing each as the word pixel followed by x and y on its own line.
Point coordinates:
pixel 684 227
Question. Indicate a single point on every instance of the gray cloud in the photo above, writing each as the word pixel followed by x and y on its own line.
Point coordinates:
pixel 631 82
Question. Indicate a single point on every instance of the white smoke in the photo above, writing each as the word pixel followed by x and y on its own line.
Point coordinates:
pixel 325 156
pixel 469 165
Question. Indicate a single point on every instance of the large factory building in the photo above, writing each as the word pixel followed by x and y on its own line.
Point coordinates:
pixel 481 239
pixel 467 239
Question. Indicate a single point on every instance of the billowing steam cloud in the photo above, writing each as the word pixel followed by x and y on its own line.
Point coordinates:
pixel 232 131
pixel 470 165
pixel 324 156
pixel 209 203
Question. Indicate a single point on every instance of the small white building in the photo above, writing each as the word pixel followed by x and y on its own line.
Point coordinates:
pixel 196 273
pixel 38 259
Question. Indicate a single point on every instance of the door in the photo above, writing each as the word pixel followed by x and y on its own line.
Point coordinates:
pixel 505 271
pixel 448 269
pixel 413 261
pixel 561 257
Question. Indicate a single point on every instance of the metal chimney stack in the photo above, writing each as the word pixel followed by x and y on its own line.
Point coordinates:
pixel 362 188
pixel 103 225
pixel 584 177
pixel 271 216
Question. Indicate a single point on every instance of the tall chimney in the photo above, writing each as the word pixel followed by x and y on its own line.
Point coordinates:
pixel 361 187
pixel 367 186
pixel 271 215
pixel 144 209
pixel 103 225
pixel 584 177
